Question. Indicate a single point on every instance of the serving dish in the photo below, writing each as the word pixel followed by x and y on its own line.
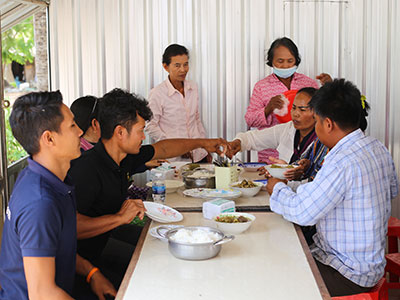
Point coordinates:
pixel 247 192
pixel 277 170
pixel 199 178
pixel 195 251
pixel 234 228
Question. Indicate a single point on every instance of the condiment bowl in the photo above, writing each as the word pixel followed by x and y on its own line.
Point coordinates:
pixel 234 228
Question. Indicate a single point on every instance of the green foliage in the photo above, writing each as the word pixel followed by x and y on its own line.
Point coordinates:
pixel 14 149
pixel 18 43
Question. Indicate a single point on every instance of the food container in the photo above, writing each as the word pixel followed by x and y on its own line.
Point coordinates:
pixel 235 228
pixel 247 192
pixel 193 180
pixel 278 170
pixel 195 251
pixel 225 176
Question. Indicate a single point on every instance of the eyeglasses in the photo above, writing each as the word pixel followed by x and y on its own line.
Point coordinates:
pixel 301 108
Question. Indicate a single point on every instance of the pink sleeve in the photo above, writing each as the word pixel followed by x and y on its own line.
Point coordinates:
pixel 199 122
pixel 152 127
pixel 255 116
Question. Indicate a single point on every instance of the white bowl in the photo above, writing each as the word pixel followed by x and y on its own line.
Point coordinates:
pixel 279 169
pixel 235 228
pixel 171 185
pixel 247 192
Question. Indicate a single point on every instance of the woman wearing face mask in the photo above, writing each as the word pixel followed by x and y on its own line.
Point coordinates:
pixel 283 56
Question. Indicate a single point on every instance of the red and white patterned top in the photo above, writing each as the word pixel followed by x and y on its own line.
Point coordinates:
pixel 263 91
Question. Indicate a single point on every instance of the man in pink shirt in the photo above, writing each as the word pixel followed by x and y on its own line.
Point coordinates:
pixel 283 57
pixel 175 103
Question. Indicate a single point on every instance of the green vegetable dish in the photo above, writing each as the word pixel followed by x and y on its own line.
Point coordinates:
pixel 245 184
pixel 282 167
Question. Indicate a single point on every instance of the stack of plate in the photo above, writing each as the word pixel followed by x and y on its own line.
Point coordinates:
pixel 162 213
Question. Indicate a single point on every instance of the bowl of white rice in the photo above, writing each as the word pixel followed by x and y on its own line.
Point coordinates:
pixel 195 242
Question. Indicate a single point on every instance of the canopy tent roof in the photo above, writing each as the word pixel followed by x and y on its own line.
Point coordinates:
pixel 14 11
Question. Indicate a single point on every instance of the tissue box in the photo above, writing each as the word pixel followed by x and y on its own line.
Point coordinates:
pixel 218 206
pixel 224 176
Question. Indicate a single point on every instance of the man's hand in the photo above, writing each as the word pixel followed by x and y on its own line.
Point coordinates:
pixel 324 78
pixel 218 146
pixel 233 147
pixel 101 286
pixel 130 209
pixel 155 163
pixel 275 102
pixel 271 183
pixel 188 155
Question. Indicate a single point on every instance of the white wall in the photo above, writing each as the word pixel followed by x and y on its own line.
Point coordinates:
pixel 97 45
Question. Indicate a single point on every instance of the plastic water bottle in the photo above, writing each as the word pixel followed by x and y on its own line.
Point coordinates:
pixel 158 188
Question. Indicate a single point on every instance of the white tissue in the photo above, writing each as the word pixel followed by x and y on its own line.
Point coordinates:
pixel 284 110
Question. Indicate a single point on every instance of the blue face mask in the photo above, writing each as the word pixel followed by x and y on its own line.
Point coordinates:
pixel 285 73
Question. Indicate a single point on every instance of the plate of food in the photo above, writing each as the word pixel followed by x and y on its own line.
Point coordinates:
pixel 162 213
pixel 212 193
pixel 277 170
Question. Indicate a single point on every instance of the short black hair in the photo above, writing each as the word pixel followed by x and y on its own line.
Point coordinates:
pixel 85 109
pixel 310 91
pixel 119 107
pixel 340 101
pixel 173 50
pixel 286 42
pixel 33 114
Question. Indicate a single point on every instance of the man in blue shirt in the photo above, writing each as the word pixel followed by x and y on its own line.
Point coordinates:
pixel 349 199
pixel 38 255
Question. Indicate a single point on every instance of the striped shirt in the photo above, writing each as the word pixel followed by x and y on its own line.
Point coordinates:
pixel 349 201
pixel 315 154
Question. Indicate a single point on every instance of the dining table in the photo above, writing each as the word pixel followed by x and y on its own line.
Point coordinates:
pixel 270 260
pixel 259 202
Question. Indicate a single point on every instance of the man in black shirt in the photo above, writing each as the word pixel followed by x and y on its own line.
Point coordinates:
pixel 101 174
